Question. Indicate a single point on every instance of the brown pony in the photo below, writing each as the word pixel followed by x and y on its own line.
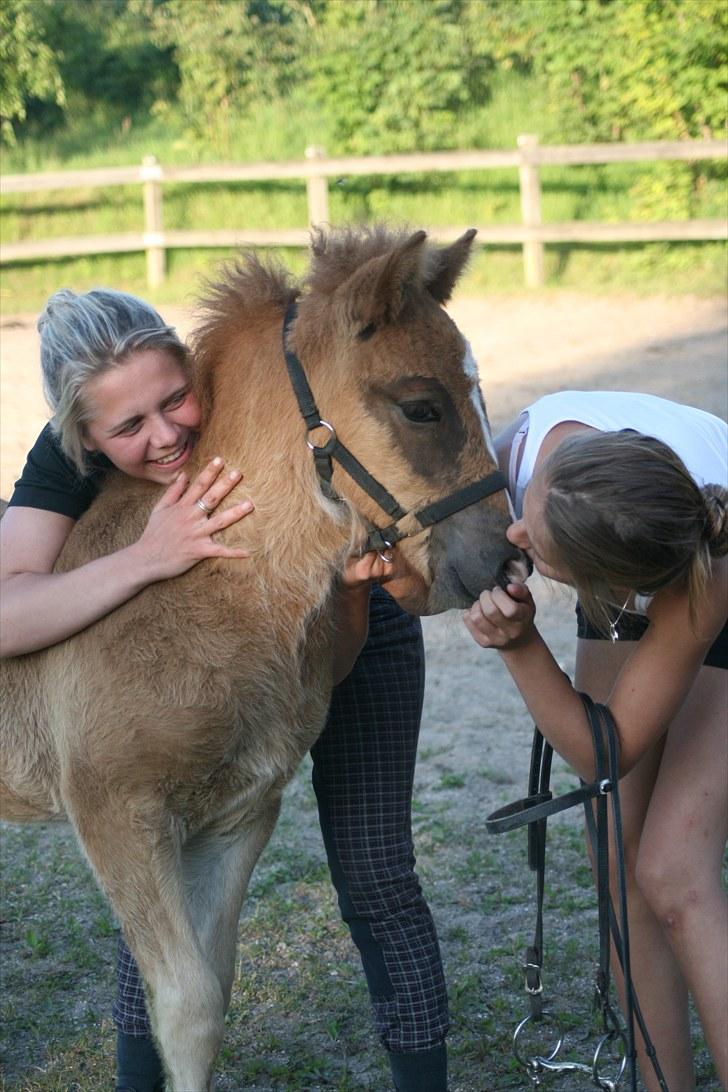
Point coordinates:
pixel 167 731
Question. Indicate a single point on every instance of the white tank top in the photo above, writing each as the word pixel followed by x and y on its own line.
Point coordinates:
pixel 697 437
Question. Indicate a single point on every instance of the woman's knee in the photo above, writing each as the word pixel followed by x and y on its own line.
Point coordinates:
pixel 672 885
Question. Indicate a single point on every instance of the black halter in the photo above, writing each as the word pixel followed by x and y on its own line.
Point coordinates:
pixel 379 538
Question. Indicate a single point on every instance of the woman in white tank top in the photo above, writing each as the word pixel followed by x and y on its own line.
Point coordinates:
pixel 623 496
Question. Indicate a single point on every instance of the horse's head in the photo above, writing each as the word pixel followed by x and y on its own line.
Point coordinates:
pixel 398 387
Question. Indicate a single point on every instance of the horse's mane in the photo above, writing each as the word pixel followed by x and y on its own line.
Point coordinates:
pixel 337 254
pixel 250 284
pixel 250 288
pixel 246 287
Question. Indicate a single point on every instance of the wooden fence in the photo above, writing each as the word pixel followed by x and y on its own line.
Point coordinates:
pixel 531 233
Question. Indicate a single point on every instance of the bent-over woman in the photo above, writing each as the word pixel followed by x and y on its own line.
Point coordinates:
pixel 623 497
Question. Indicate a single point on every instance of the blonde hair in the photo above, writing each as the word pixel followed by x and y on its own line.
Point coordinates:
pixel 623 512
pixel 82 336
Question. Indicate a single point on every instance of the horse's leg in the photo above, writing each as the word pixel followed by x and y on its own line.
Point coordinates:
pixel 217 867
pixel 134 849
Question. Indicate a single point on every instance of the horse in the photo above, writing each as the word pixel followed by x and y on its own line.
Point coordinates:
pixel 166 731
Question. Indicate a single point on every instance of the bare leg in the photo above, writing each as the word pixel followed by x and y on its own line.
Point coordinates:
pixel 656 974
pixel 680 857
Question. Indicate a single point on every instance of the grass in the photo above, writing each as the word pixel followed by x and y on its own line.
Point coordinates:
pixel 278 131
pixel 299 1017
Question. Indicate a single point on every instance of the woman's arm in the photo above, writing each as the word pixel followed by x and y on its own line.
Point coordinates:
pixel 648 691
pixel 38 607
pixel 352 607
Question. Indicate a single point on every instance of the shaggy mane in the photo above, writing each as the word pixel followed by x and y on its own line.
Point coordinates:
pixel 247 287
pixel 337 254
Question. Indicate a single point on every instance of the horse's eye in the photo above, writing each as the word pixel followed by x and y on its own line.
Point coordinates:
pixel 422 413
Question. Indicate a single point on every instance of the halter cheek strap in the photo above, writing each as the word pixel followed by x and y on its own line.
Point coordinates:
pixel 379 538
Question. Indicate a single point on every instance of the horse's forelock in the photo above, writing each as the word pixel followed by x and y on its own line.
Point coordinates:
pixel 336 255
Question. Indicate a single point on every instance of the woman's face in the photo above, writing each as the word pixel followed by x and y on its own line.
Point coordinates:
pixel 144 415
pixel 529 533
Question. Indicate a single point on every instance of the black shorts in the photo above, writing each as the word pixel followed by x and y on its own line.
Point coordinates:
pixel 630 627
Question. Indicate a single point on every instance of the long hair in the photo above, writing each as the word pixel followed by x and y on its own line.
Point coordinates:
pixel 82 336
pixel 623 512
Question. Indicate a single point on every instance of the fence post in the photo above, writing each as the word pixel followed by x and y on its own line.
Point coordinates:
pixel 151 174
pixel 530 186
pixel 317 189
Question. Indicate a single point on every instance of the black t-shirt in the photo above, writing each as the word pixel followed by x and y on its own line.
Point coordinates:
pixel 51 482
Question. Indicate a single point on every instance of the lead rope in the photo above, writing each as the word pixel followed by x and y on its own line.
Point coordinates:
pixel 534 810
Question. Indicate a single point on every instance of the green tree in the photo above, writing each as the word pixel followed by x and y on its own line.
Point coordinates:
pixel 106 54
pixel 28 66
pixel 393 75
pixel 626 69
pixel 231 54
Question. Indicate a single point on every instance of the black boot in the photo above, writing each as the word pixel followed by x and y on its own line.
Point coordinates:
pixel 138 1065
pixel 422 1072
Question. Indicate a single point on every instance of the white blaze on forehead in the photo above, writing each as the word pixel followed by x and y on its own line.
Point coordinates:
pixel 470 368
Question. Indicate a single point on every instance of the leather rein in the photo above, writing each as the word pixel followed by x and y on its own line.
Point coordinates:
pixel 534 810
pixel 379 538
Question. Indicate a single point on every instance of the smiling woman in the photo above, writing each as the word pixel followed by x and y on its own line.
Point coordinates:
pixel 117 379
pixel 143 416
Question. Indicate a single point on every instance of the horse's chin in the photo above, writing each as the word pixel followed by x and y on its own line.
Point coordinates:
pixel 416 596
pixel 453 587
pixel 411 591
pixel 456 589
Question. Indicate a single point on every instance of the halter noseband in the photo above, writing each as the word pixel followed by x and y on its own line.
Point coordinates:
pixel 379 538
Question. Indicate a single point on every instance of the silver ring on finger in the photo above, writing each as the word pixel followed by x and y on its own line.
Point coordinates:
pixel 203 507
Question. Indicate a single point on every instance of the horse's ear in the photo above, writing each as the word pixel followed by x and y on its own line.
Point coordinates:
pixel 444 266
pixel 376 293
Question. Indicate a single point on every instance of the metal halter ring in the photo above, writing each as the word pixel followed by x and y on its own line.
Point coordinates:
pixel 203 507
pixel 322 424
pixel 386 555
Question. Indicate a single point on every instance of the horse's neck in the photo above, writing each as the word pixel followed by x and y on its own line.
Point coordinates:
pixel 295 540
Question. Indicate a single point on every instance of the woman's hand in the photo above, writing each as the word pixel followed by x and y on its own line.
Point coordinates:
pixel 181 526
pixel 502 619
pixel 352 608
pixel 39 607
pixel 370 568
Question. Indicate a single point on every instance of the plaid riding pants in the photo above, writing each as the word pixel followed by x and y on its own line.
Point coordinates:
pixel 363 769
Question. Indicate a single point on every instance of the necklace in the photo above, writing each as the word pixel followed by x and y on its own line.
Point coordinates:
pixel 614 635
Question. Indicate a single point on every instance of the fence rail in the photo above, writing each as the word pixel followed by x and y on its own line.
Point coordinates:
pixel 317 168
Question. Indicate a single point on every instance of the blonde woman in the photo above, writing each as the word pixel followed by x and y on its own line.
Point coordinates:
pixel 623 497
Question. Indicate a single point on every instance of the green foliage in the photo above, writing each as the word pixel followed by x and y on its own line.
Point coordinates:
pixel 627 69
pixel 231 57
pixel 394 75
pixel 28 67
pixel 107 58
pixel 205 80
